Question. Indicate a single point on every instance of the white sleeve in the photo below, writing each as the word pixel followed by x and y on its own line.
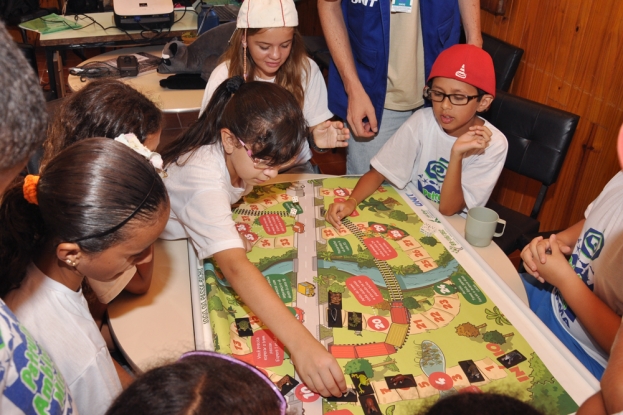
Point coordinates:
pixel 481 173
pixel 315 107
pixel 218 75
pixel 208 221
pixel 202 206
pixel 97 386
pixel 396 159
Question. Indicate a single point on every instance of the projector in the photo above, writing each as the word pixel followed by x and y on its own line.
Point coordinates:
pixel 143 14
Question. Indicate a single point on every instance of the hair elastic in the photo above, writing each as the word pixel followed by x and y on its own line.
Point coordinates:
pixel 30 188
pixel 283 405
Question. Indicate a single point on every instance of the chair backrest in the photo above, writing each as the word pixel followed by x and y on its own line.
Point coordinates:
pixel 538 138
pixel 506 58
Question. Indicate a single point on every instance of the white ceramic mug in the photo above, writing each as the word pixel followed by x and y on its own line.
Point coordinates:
pixel 481 224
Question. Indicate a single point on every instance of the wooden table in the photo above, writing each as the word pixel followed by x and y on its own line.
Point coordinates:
pixel 168 100
pixel 104 33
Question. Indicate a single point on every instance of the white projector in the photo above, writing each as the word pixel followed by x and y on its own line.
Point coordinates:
pixel 143 14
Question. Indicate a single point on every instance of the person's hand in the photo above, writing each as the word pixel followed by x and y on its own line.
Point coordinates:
pixel 331 134
pixel 248 245
pixel 555 269
pixel 360 107
pixel 318 369
pixel 537 252
pixel 475 141
pixel 338 211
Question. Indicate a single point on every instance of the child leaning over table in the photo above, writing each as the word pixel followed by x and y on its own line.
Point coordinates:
pixel 581 298
pixel 453 155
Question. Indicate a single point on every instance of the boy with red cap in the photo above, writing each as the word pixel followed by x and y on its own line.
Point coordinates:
pixel 453 155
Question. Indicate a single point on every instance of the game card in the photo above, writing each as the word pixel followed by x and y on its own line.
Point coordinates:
pixel 334 317
pixel 286 384
pixel 355 321
pixel 243 325
pixel 349 396
pixel 471 371
pixel 511 359
pixel 400 381
pixel 369 405
pixel 362 383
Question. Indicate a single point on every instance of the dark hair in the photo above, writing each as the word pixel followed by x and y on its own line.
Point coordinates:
pixel 24 118
pixel 481 404
pixel 83 194
pixel 103 108
pixel 291 75
pixel 197 385
pixel 263 115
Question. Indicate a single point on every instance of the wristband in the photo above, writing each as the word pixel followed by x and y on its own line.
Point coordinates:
pixel 313 146
pixel 352 198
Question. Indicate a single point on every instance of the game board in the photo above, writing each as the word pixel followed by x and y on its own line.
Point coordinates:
pixel 392 295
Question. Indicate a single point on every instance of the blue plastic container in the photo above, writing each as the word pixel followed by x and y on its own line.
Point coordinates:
pixel 207 19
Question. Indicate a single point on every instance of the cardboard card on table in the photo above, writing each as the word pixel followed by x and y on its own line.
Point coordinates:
pixel 369 405
pixel 334 317
pixel 244 328
pixel 286 384
pixel 400 381
pixel 362 383
pixel 471 371
pixel 511 359
pixel 355 321
pixel 335 299
pixel 349 396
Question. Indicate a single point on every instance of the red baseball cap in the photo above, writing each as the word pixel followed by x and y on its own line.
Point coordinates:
pixel 466 63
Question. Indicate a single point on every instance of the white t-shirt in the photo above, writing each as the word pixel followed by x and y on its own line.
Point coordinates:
pixel 598 259
pixel 315 105
pixel 59 319
pixel 29 380
pixel 201 196
pixel 419 152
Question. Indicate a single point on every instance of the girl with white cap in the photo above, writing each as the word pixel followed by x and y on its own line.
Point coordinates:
pixel 268 47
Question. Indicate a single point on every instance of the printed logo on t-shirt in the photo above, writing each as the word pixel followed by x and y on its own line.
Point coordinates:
pixel 586 251
pixel 430 182
pixel 31 381
pixel 369 3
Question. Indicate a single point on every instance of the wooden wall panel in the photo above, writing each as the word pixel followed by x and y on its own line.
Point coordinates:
pixel 572 61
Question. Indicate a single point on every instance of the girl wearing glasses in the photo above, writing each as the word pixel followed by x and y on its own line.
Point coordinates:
pixel 267 46
pixel 248 132
pixel 451 154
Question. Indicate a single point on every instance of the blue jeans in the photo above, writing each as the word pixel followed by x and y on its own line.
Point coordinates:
pixel 361 150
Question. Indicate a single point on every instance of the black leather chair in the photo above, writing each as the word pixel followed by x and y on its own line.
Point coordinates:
pixel 318 50
pixel 506 58
pixel 538 139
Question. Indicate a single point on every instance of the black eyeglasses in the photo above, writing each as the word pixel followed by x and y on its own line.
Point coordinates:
pixel 455 99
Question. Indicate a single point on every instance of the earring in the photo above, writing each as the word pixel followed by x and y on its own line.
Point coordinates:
pixel 70 262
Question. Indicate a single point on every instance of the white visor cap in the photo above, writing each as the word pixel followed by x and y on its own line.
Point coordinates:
pixel 260 14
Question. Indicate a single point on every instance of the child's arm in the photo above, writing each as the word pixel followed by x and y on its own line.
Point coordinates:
pixel 330 134
pixel 597 317
pixel 538 247
pixel 367 185
pixel 451 198
pixel 359 103
pixel 141 281
pixel 316 367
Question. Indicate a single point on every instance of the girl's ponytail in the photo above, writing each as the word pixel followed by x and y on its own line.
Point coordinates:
pixel 22 235
pixel 205 130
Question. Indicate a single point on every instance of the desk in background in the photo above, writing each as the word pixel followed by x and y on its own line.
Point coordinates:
pixel 168 100
pixel 92 35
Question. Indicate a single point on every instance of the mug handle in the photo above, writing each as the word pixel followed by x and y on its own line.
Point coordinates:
pixel 503 222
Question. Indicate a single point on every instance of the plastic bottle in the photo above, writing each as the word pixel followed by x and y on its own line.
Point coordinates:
pixel 207 19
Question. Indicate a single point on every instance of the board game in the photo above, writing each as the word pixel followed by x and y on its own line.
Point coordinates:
pixel 401 303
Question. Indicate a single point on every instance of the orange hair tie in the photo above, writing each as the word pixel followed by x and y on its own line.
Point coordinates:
pixel 30 189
